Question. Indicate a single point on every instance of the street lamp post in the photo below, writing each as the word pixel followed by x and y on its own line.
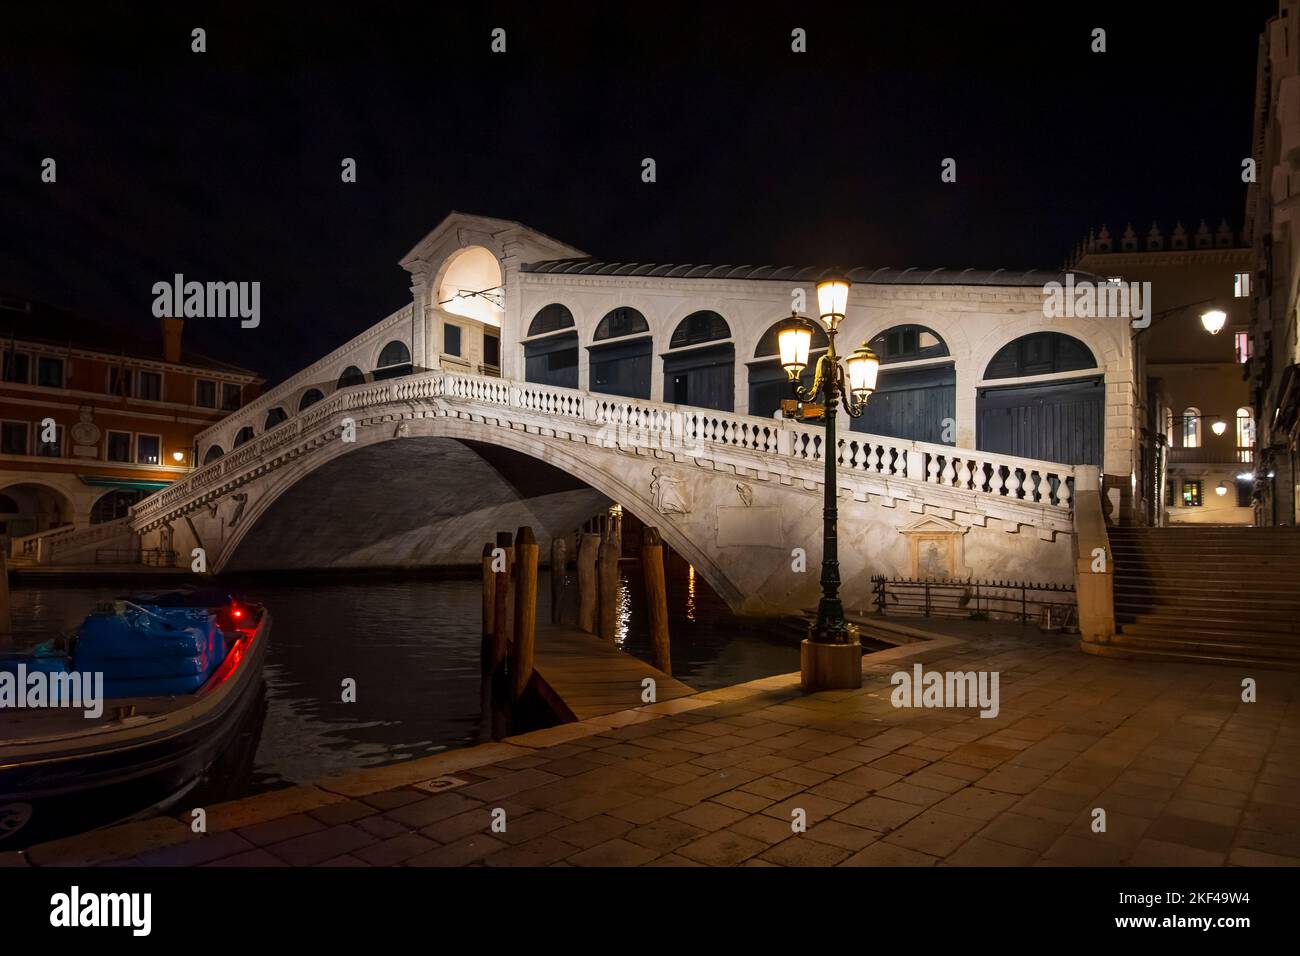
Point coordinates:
pixel 831 657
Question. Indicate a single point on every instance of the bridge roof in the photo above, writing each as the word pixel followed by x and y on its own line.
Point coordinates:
pixel 864 275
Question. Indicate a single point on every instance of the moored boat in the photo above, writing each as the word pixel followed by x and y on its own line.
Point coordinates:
pixel 130 716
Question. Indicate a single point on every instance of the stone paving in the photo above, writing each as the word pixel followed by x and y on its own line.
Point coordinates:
pixel 1187 773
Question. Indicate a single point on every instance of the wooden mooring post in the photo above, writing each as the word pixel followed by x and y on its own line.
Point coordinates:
pixel 489 596
pixel 525 630
pixel 588 548
pixel 610 550
pixel 559 580
pixel 656 593
pixel 501 604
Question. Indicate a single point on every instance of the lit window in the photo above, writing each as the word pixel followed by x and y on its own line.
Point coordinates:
pixel 1245 435
pixel 1192 494
pixel 148 449
pixel 1241 285
pixel 1243 347
pixel 1192 428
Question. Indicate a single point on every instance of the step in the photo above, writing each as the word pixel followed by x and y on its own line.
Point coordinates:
pixel 1193 631
pixel 1156 651
pixel 1183 622
pixel 1139 586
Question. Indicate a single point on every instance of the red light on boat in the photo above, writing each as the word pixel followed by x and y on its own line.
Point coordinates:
pixel 237 612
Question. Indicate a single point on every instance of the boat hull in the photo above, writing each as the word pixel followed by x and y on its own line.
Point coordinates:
pixel 125 765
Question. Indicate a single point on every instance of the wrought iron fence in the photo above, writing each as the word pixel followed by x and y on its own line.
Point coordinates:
pixel 149 557
pixel 977 598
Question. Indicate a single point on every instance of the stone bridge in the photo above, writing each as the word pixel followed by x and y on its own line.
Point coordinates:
pixel 420 469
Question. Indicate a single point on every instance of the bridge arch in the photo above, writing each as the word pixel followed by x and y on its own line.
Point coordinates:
pixel 310 398
pixel 576 461
pixel 212 454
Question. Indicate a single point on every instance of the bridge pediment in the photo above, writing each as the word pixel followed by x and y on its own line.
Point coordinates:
pixel 504 237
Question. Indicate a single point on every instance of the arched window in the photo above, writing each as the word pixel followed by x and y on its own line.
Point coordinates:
pixel 245 435
pixel 114 505
pixel 394 361
pixel 621 322
pixel 310 398
pixel 551 319
pixel 768 345
pixel 908 343
pixel 215 452
pixel 1191 428
pixel 1040 354
pixel 351 376
pixel 1245 434
pixel 274 417
pixel 699 327
pixel 8 505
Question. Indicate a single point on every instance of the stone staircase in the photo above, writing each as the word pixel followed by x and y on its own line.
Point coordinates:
pixel 1210 594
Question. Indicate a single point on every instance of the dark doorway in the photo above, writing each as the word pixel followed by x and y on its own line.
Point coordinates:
pixel 1060 422
pixel 622 368
pixel 915 404
pixel 702 377
pixel 552 361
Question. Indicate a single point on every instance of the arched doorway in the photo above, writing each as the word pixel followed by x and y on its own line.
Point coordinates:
pixel 115 504
pixel 551 349
pixel 1059 420
pixel 916 390
pixel 621 355
pixel 33 508
pixel 700 365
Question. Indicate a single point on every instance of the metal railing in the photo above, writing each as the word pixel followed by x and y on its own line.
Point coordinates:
pixel 975 598
pixel 148 557
pixel 623 422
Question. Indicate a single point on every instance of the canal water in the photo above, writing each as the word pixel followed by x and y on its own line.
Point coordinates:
pixel 412 646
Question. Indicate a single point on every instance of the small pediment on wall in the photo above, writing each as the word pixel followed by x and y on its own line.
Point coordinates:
pixel 929 524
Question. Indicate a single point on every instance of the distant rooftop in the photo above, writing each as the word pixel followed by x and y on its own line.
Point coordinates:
pixel 31 321
pixel 862 275
pixel 1101 242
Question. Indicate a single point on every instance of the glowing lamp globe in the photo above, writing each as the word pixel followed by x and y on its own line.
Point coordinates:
pixel 1219 427
pixel 864 367
pixel 832 300
pixel 1214 320
pixel 794 339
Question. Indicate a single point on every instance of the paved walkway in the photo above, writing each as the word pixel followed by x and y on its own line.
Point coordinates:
pixel 1186 772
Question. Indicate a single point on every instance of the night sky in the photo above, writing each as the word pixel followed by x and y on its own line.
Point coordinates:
pixel 225 165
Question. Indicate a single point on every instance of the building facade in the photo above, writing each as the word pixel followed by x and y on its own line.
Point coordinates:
pixel 1271 206
pixel 91 421
pixel 1194 418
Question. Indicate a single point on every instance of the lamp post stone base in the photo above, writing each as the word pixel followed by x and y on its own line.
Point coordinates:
pixel 830 666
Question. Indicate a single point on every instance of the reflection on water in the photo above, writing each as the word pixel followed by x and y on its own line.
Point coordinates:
pixel 412 647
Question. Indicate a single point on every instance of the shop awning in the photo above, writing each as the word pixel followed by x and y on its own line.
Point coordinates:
pixel 130 484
